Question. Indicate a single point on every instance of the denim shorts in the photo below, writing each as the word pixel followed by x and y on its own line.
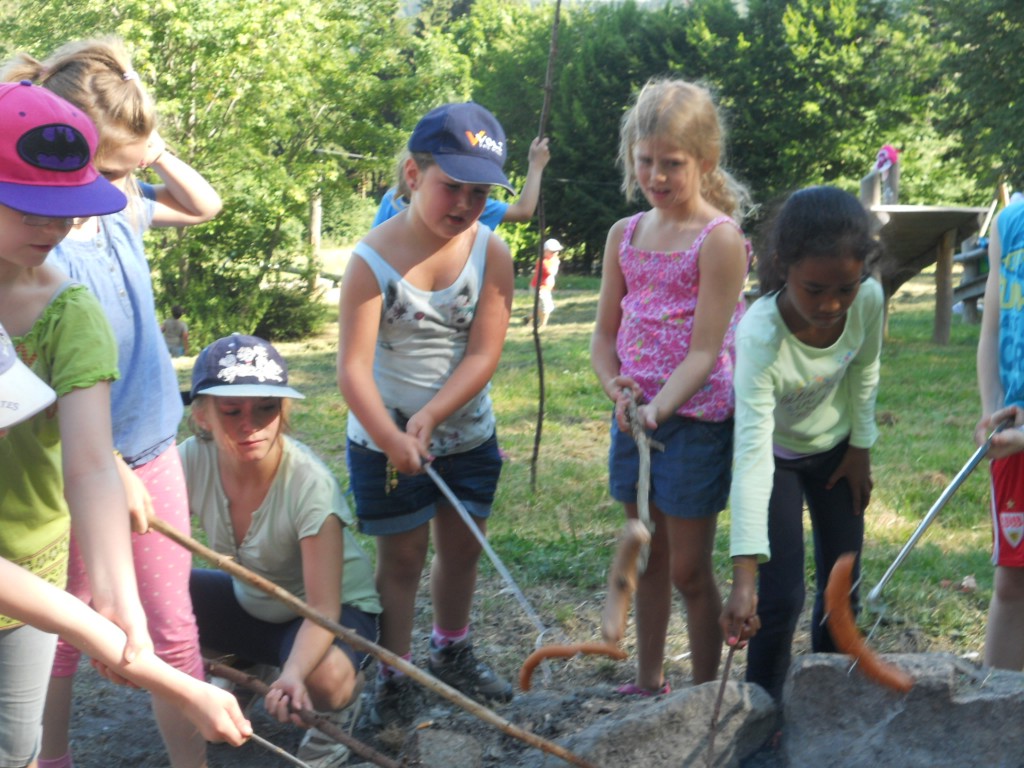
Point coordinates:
pixel 227 627
pixel 385 508
pixel 689 479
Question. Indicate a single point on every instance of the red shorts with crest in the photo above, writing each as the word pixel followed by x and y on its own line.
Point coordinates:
pixel 1008 511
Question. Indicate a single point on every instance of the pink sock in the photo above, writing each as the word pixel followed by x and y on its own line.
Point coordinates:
pixel 384 671
pixel 64 761
pixel 442 638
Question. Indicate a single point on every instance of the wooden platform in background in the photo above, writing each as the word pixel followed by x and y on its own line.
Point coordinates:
pixel 917 236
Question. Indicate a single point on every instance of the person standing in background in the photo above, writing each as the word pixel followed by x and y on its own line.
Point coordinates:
pixel 175 331
pixel 495 212
pixel 548 272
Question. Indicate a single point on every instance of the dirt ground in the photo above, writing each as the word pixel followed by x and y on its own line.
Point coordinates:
pixel 113 727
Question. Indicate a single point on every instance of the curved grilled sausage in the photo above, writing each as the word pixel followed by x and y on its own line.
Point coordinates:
pixel 843 628
pixel 564 652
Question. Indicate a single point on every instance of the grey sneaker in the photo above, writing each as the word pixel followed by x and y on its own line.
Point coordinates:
pixel 318 750
pixel 457 666
pixel 394 701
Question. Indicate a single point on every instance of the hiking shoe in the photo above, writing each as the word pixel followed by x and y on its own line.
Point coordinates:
pixel 394 701
pixel 457 666
pixel 318 750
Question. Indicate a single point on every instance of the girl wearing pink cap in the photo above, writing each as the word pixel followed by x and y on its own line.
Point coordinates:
pixel 106 254
pixel 62 459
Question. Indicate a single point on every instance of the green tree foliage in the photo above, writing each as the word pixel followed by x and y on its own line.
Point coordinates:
pixel 278 101
pixel 606 53
pixel 508 43
pixel 986 84
pixel 808 91
pixel 274 101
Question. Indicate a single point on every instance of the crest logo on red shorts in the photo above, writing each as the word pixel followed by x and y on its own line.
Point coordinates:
pixel 1012 524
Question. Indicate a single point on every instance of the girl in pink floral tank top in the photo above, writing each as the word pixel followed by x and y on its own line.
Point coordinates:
pixel 671 296
pixel 657 322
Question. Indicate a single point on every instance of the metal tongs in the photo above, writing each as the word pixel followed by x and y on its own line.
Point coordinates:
pixel 874 596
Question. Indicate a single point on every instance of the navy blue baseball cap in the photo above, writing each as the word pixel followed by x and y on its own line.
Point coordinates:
pixel 241 366
pixel 466 141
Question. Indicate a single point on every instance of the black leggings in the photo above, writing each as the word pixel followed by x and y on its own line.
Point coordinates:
pixel 781 580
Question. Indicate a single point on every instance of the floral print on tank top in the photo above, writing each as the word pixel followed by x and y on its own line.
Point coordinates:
pixel 657 322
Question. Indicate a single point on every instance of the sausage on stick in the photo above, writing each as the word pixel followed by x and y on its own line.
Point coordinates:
pixel 843 628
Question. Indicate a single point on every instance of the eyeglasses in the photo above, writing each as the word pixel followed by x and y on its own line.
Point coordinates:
pixel 34 220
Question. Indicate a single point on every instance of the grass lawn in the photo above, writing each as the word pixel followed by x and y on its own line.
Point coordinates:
pixel 557 538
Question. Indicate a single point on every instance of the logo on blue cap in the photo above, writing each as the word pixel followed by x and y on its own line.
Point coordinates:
pixel 466 141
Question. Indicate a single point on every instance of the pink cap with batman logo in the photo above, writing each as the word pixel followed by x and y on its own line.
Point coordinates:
pixel 46 151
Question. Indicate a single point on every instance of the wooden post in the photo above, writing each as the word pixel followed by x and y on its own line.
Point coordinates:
pixel 871 190
pixel 316 217
pixel 944 287
pixel 972 270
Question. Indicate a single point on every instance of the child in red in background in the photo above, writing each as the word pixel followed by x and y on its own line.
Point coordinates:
pixel 548 271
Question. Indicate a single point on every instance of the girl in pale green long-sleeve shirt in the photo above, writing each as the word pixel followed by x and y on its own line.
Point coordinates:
pixel 807 363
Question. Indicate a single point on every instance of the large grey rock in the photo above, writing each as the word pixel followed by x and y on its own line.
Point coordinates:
pixel 674 730
pixel 956 715
pixel 437 748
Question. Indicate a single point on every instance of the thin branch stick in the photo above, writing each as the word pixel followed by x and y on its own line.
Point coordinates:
pixel 549 76
pixel 276 750
pixel 310 718
pixel 643 447
pixel 644 444
pixel 301 608
pixel 542 228
pixel 718 706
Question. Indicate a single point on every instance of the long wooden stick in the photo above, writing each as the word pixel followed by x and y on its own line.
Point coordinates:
pixel 301 608
pixel 718 706
pixel 542 228
pixel 310 718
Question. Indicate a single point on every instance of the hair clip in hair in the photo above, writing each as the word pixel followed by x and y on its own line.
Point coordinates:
pixel 131 74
